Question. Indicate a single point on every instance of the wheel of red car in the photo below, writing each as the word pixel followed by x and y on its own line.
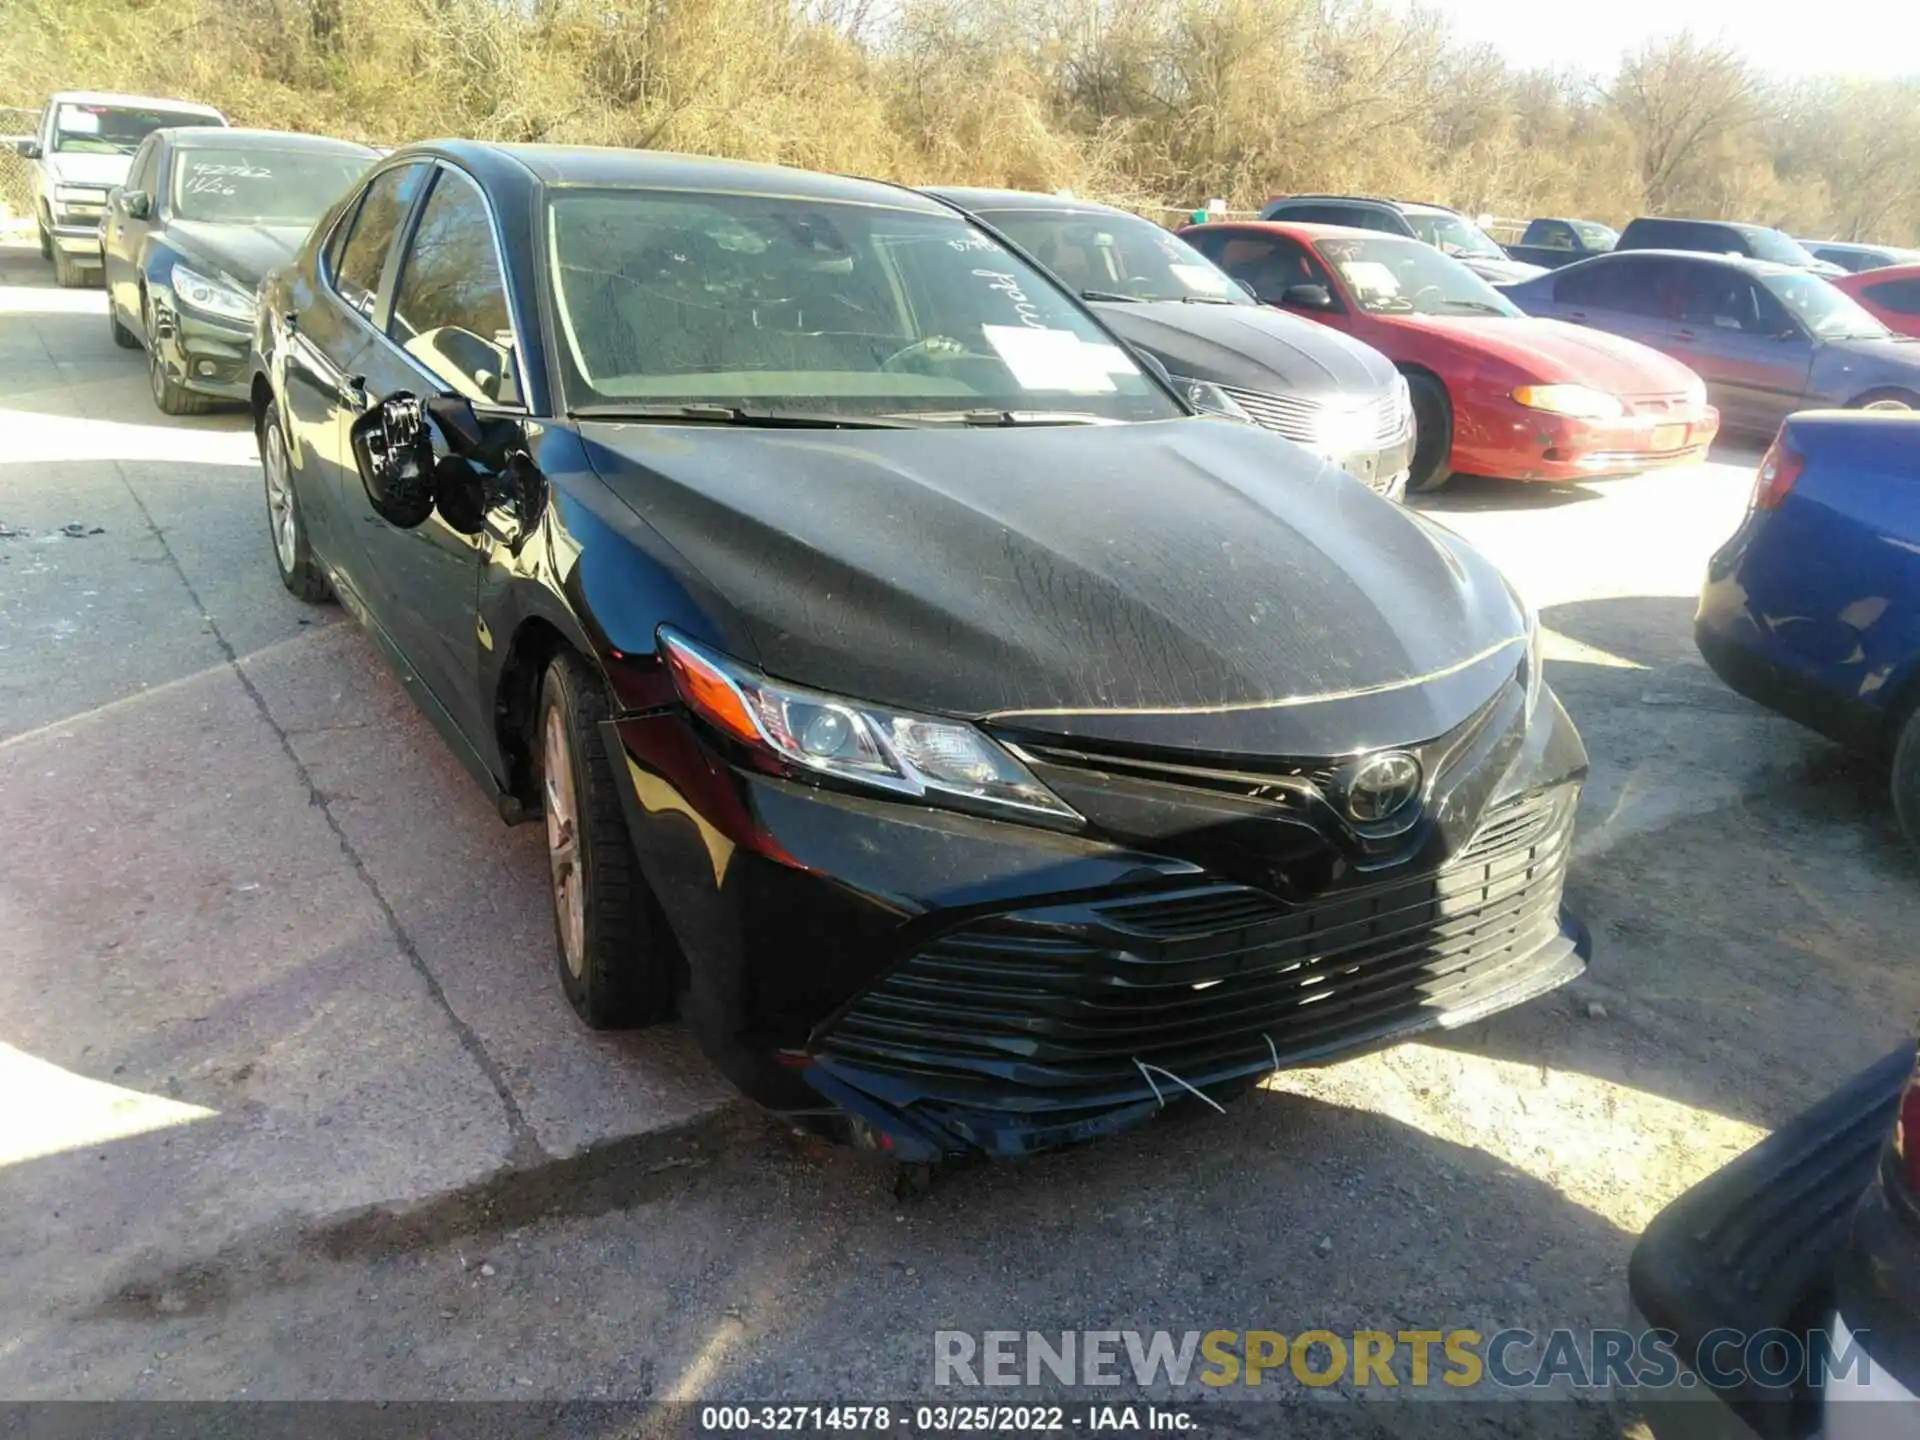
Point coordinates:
pixel 616 964
pixel 1906 778
pixel 1432 435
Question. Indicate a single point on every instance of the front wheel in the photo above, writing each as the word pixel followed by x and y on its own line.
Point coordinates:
pixel 617 966
pixel 46 241
pixel 170 396
pixel 1432 435
pixel 299 571
pixel 1897 401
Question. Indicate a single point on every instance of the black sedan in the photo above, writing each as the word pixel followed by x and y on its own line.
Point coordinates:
pixel 204 214
pixel 981 749
pixel 1337 396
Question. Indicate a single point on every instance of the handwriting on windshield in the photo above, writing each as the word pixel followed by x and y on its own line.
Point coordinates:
pixel 206 178
pixel 1009 286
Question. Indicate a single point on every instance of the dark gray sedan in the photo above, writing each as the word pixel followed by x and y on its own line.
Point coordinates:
pixel 1767 339
pixel 1340 398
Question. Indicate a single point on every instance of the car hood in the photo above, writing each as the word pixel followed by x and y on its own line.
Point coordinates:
pixel 245 252
pixel 1253 347
pixel 80 168
pixel 1896 357
pixel 1191 583
pixel 1500 272
pixel 1554 351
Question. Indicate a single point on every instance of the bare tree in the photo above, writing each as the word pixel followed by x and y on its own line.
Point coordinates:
pixel 1678 96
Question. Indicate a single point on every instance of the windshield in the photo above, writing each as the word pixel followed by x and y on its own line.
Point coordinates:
pixel 1826 312
pixel 1779 248
pixel 1116 255
pixel 1454 234
pixel 768 302
pixel 1390 276
pixel 1596 236
pixel 111 130
pixel 261 187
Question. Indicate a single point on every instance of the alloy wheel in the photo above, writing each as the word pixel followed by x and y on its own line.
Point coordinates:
pixel 563 844
pixel 280 511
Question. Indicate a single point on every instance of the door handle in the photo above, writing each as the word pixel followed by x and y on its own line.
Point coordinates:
pixel 353 393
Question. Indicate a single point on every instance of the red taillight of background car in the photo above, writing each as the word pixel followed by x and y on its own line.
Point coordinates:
pixel 1779 468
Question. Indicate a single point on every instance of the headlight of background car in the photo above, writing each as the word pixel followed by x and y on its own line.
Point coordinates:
pixel 1574 400
pixel 211 297
pixel 893 750
pixel 65 197
pixel 1209 399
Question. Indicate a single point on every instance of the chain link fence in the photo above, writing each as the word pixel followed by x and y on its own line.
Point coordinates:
pixel 16 191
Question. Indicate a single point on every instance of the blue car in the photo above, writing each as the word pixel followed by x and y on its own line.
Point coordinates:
pixel 1813 607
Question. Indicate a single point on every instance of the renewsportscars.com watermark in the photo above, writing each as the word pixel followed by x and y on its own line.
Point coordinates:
pixel 1397 1359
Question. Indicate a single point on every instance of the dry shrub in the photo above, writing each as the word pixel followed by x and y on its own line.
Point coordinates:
pixel 1149 103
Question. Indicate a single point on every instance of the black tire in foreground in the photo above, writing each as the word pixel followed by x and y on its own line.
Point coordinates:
pixel 1906 778
pixel 617 965
pixel 1432 435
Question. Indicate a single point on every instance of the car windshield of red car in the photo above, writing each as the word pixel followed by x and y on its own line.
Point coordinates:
pixel 1391 276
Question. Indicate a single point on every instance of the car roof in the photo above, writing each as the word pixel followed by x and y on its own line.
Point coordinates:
pixel 981 197
pixel 1698 257
pixel 190 137
pixel 588 165
pixel 1380 201
pixel 109 97
pixel 1310 230
pixel 1741 225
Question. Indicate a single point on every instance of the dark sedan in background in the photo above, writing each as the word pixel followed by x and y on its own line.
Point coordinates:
pixel 987 751
pixel 1857 259
pixel 1551 243
pixel 203 215
pixel 1767 339
pixel 1336 396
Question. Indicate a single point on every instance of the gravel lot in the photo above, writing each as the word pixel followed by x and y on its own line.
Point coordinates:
pixel 290 1107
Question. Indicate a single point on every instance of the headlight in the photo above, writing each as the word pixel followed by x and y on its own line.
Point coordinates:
pixel 211 297
pixel 1343 429
pixel 908 754
pixel 1535 662
pixel 78 195
pixel 1209 399
pixel 1574 400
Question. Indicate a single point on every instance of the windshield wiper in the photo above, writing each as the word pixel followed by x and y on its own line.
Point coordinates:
pixel 704 414
pixel 1110 295
pixel 995 418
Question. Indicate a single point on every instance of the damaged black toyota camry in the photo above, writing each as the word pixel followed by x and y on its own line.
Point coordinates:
pixel 979 749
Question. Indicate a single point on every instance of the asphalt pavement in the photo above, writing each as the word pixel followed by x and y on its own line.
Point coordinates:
pixel 291 1106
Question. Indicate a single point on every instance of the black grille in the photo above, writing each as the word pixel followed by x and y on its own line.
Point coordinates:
pixel 1059 1007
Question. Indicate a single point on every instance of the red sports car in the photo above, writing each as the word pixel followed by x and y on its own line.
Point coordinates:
pixel 1495 391
pixel 1891 295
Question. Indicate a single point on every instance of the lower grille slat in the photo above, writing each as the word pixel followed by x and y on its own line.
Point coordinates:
pixel 1065 1002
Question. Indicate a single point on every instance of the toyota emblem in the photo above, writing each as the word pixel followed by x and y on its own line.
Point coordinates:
pixel 1379 787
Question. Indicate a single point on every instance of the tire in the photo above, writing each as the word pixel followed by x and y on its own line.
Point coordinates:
pixel 169 395
pixel 68 273
pixel 292 556
pixel 1432 436
pixel 122 336
pixel 46 240
pixel 617 966
pixel 1906 778
pixel 1894 400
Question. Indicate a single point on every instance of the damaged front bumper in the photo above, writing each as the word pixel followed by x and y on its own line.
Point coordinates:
pixel 935 984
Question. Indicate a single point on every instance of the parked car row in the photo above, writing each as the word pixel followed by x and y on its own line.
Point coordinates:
pixel 929 683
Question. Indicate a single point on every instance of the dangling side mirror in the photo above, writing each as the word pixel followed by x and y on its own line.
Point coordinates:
pixel 395 458
pixel 136 204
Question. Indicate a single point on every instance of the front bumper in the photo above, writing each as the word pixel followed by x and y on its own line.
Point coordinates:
pixel 207 356
pixel 934 983
pixel 1506 440
pixel 1753 1247
pixel 80 239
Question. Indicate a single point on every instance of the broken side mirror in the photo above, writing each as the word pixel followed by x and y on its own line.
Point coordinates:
pixel 485 470
pixel 136 204
pixel 28 149
pixel 1308 297
pixel 395 458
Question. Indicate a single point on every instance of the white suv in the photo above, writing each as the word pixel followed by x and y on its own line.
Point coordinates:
pixel 81 150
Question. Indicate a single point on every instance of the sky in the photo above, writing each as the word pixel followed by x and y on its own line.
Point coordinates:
pixel 1879 37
